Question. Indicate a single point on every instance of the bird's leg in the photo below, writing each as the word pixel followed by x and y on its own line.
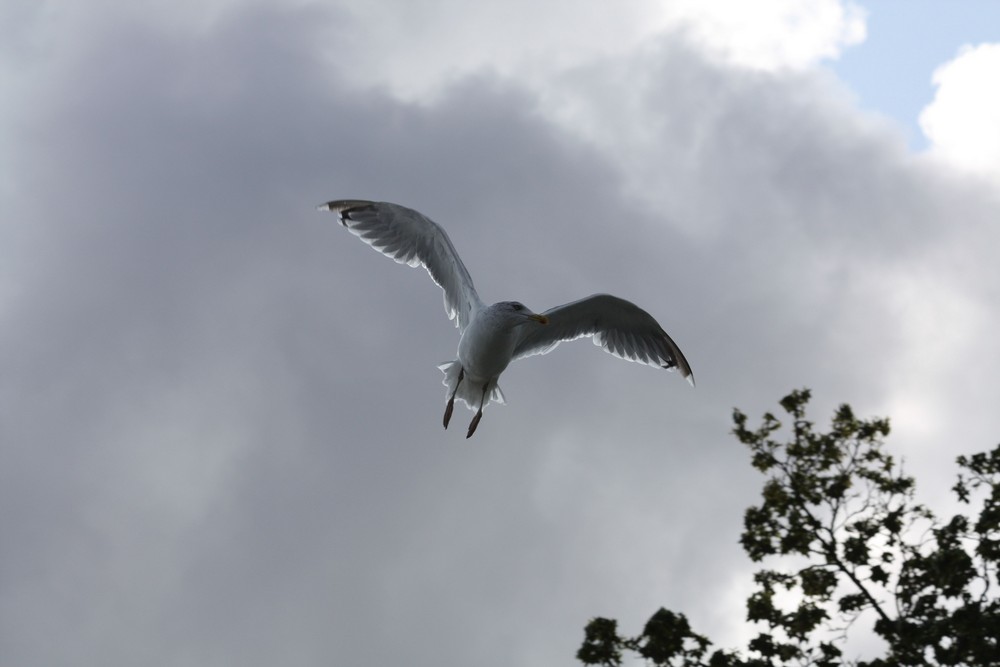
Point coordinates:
pixel 479 415
pixel 451 401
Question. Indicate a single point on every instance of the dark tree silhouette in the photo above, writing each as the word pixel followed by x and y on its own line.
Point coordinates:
pixel 852 551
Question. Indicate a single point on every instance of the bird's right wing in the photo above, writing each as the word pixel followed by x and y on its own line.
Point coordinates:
pixel 412 238
pixel 619 326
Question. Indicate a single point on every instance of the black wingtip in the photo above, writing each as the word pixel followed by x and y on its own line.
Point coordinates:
pixel 344 207
pixel 673 367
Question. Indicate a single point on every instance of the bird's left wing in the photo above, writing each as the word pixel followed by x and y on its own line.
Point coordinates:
pixel 412 238
pixel 617 325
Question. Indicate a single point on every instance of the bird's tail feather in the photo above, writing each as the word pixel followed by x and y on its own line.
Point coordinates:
pixel 469 392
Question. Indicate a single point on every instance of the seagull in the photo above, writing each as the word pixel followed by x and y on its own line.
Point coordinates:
pixel 493 336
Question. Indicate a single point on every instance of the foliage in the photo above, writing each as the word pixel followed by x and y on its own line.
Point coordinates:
pixel 847 543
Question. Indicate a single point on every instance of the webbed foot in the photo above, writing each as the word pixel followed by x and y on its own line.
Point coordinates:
pixel 451 401
pixel 474 423
pixel 448 410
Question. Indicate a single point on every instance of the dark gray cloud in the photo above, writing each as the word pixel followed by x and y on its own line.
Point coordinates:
pixel 220 418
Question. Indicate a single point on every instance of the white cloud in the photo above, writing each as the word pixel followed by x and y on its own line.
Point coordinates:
pixel 963 121
pixel 771 35
pixel 413 48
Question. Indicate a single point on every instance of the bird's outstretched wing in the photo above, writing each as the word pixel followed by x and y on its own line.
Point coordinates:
pixel 617 325
pixel 412 238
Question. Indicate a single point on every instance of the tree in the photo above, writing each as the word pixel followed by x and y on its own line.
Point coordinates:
pixel 849 549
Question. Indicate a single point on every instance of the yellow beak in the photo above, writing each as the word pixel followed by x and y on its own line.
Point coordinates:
pixel 541 319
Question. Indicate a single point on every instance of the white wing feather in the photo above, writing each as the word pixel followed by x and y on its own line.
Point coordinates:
pixel 617 325
pixel 412 238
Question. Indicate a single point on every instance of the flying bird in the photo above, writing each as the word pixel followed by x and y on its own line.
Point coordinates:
pixel 493 336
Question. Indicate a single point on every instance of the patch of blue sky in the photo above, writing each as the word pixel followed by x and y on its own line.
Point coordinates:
pixel 907 40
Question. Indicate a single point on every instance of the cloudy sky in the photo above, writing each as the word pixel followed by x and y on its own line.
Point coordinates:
pixel 220 436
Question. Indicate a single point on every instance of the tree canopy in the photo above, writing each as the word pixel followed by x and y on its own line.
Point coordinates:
pixel 848 550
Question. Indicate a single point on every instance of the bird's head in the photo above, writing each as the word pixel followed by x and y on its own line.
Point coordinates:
pixel 519 314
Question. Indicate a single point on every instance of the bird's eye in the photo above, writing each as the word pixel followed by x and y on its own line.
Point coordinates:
pixel 518 306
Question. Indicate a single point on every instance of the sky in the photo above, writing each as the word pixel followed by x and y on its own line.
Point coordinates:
pixel 891 70
pixel 220 435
